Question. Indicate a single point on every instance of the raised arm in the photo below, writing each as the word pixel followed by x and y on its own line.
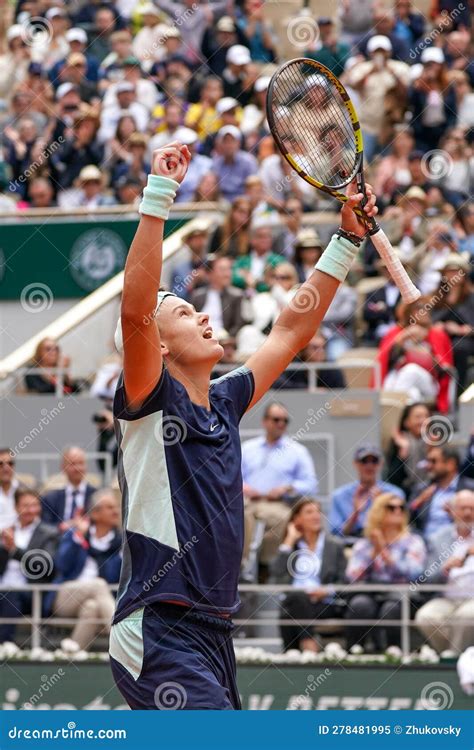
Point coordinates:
pixel 142 360
pixel 300 319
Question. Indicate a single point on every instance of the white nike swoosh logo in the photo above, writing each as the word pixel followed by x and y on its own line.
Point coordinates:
pixel 213 427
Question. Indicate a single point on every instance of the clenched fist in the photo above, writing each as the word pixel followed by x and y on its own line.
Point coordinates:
pixel 171 161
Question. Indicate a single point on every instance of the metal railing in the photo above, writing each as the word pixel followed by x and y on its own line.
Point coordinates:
pixel 404 591
pixel 312 368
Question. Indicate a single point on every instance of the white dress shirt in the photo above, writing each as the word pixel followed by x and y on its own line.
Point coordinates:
pixel 7 506
pixel 13 575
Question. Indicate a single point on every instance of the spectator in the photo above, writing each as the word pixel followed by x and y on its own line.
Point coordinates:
pixel 406 455
pixel 329 51
pixel 308 558
pixel 27 550
pixel 14 63
pixel 77 42
pixel 232 237
pixel 80 149
pixel 464 224
pixel 291 214
pixel 429 501
pixel 308 250
pixel 37 84
pixel 356 19
pixel 447 619
pixel 41 193
pixel 64 506
pixel 453 312
pixel 464 98
pixel 136 165
pixel 193 19
pixel 87 561
pixel 392 173
pixel 191 273
pixel 280 182
pixel 148 42
pixel 338 323
pixel 218 40
pixel 351 502
pixel 249 270
pixel 104 27
pixel 258 31
pixel 8 485
pixel 117 150
pixel 203 116
pixel 373 80
pixel 48 356
pixel 315 352
pixel 440 244
pixel 467 469
pixel 390 553
pixel 218 299
pixel 379 307
pixel 21 142
pixel 106 378
pixel 90 190
pixel 51 46
pixel 417 358
pixel 458 181
pixel 208 189
pixel 235 74
pixel 123 101
pixel 75 72
pixel 111 68
pixel 145 89
pixel 409 24
pixel 384 25
pixel 432 101
pixel 198 167
pixel 173 119
pixel 232 165
pixel 68 107
pixel 276 471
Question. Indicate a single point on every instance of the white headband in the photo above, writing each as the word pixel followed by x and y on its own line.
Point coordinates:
pixel 118 337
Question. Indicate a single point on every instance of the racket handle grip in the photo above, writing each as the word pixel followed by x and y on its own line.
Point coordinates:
pixel 384 248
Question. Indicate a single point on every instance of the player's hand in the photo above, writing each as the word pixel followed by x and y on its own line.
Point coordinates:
pixel 171 161
pixel 350 221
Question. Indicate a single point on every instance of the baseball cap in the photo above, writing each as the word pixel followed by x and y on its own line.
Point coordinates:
pixel 149 9
pixel 379 42
pixel 171 32
pixel 226 23
pixel 199 226
pixel 90 173
pixel 64 89
pixel 365 450
pixel 123 86
pixel 15 31
pixel 432 54
pixel 238 55
pixel 35 69
pixel 76 35
pixel 416 193
pixel 230 130
pixel 132 61
pixel 456 261
pixel 54 13
pixel 225 104
pixel 186 136
pixel 324 21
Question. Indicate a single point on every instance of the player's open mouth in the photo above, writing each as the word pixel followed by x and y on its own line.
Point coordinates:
pixel 207 333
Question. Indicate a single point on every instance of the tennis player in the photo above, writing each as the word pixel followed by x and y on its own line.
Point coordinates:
pixel 180 462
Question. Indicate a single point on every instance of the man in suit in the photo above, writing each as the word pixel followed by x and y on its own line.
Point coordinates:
pixel 27 552
pixel 429 502
pixel 311 559
pixel 61 507
pixel 447 620
pixel 219 299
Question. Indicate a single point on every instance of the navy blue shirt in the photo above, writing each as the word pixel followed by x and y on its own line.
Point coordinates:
pixel 180 475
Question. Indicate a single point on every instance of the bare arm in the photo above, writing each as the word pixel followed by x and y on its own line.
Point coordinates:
pixel 142 360
pixel 300 319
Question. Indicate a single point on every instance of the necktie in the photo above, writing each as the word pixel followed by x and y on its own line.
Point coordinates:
pixel 74 505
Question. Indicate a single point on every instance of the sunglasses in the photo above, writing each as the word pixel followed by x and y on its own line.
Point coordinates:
pixel 392 507
pixel 6 463
pixel 285 420
pixel 369 460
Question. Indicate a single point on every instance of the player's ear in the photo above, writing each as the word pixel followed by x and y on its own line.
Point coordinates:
pixel 164 349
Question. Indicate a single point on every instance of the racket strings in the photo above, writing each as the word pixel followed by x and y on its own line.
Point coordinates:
pixel 313 124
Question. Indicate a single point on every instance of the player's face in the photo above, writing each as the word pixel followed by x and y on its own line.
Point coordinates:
pixel 186 336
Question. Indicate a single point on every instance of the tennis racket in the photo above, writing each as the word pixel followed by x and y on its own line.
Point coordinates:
pixel 315 126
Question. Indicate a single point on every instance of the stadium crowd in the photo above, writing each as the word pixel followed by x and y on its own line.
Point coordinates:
pixel 87 92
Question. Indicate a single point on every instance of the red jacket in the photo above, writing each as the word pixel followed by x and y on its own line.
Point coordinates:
pixel 442 351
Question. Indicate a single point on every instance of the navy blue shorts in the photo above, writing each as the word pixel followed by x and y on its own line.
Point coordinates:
pixel 166 657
